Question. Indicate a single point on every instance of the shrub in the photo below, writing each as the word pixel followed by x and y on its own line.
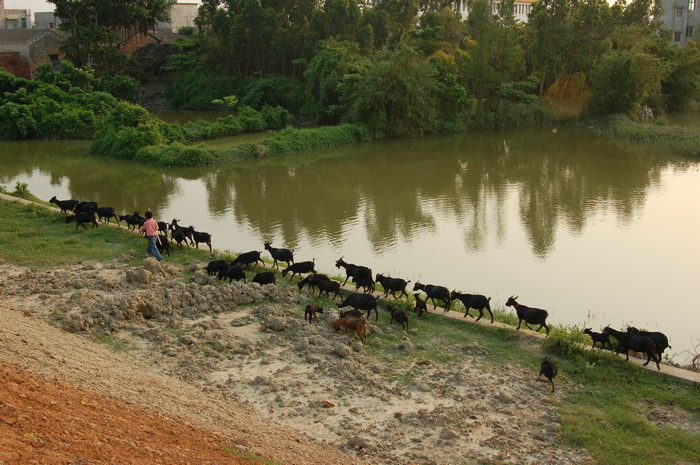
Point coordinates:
pixel 277 117
pixel 568 342
pixel 290 140
pixel 177 155
pixel 251 120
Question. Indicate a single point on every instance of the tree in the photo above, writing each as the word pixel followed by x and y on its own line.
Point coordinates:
pixel 395 95
pixel 97 28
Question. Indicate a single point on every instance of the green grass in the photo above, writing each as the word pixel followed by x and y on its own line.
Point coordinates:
pixel 114 343
pixel 36 237
pixel 678 139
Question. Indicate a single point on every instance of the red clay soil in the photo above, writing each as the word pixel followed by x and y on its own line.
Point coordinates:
pixel 45 421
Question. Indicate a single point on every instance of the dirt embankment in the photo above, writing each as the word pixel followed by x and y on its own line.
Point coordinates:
pixel 238 363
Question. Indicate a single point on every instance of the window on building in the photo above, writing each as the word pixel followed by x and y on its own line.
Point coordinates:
pixel 12 68
pixel 691 5
pixel 53 58
pixel 24 23
pixel 676 36
pixel 679 12
pixel 50 25
pixel 689 31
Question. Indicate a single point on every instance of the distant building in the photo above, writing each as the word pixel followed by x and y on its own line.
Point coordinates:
pixel 46 20
pixel 681 17
pixel 181 15
pixel 522 8
pixel 14 19
pixel 22 51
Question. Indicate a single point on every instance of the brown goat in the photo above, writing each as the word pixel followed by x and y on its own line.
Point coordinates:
pixel 359 325
pixel 311 311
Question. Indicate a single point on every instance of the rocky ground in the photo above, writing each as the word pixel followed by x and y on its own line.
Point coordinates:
pixel 258 364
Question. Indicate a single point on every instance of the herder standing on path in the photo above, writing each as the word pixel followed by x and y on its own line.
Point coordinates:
pixel 150 227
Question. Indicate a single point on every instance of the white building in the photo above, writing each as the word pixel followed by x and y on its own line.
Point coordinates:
pixel 681 17
pixel 14 19
pixel 522 8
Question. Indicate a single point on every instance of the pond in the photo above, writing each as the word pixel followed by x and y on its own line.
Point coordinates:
pixel 595 231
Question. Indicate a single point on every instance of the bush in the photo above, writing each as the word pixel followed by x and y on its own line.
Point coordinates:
pixel 277 118
pixel 568 342
pixel 251 120
pixel 290 140
pixel 177 155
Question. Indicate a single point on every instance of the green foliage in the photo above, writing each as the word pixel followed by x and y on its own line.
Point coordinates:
pixel 94 28
pixel 251 120
pixel 394 96
pixel 675 138
pixel 682 86
pixel 277 118
pixel 229 102
pixel 290 141
pixel 196 90
pixel 176 155
pixel 568 342
pixel 52 110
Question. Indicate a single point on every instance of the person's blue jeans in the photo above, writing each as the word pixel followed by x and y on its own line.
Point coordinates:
pixel 152 248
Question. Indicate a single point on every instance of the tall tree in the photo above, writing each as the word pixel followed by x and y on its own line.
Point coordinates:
pixel 98 28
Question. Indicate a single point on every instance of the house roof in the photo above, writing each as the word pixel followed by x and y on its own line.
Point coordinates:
pixel 25 35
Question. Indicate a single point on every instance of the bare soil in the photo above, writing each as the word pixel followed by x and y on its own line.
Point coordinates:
pixel 184 371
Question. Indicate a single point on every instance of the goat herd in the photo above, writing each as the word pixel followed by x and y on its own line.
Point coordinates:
pixel 652 344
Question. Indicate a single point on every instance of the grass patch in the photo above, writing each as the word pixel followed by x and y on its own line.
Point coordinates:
pixel 36 237
pixel 247 455
pixel 678 139
pixel 114 343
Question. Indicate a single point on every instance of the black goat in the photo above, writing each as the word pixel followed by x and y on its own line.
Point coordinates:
pixel 200 238
pixel 163 244
pixel 82 218
pixel 248 258
pixel 534 316
pixel 179 236
pixel 365 283
pixel 660 339
pixel 636 342
pixel 299 268
pixel 329 286
pixel 232 272
pixel 312 281
pixel 86 207
pixel 185 231
pixel 392 285
pixel 163 227
pixel 353 271
pixel 106 213
pixel 598 337
pixel 549 370
pixel 398 315
pixel 133 221
pixel 283 255
pixel 217 267
pixel 434 292
pixel 366 302
pixel 421 305
pixel 476 301
pixel 64 205
pixel 266 277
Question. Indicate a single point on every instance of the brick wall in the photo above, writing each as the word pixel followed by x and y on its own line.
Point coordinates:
pixel 136 42
pixel 12 62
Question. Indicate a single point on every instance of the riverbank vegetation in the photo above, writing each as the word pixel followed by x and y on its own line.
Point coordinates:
pixel 604 404
pixel 677 139
pixel 398 68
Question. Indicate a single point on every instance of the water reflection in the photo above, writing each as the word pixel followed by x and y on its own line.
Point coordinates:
pixel 397 189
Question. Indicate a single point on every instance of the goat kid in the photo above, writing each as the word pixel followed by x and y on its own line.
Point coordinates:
pixel 311 311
